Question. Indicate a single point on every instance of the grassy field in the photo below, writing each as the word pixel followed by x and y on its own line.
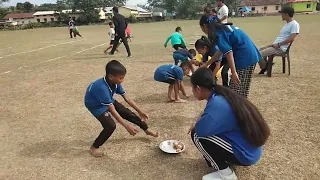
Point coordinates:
pixel 46 130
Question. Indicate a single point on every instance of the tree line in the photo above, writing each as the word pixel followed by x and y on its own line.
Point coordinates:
pixel 185 9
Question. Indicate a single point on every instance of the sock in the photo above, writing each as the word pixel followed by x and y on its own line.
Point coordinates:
pixel 226 172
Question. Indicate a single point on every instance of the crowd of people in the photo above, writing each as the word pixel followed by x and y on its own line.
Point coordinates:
pixel 231 130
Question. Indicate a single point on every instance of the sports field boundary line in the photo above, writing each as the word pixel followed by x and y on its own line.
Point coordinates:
pixel 53 59
pixel 38 49
pixel 25 44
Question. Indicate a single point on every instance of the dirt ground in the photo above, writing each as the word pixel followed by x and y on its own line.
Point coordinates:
pixel 46 130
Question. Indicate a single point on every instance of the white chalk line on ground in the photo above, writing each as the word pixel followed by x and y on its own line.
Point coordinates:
pixel 7 72
pixel 5 48
pixel 91 48
pixel 37 49
pixel 21 44
pixel 60 57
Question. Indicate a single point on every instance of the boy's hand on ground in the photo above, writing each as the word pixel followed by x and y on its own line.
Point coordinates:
pixel 131 129
pixel 144 116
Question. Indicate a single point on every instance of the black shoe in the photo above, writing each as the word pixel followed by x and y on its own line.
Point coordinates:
pixel 129 56
pixel 263 71
pixel 110 54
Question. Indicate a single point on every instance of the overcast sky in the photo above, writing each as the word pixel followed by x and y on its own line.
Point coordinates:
pixel 14 2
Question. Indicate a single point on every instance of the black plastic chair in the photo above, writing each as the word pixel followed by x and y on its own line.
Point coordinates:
pixel 284 56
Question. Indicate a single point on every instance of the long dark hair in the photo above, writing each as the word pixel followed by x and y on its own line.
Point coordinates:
pixel 202 43
pixel 212 25
pixel 250 120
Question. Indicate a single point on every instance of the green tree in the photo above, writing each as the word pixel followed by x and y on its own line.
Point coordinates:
pixel 19 8
pixel 111 3
pixel 188 9
pixel 28 7
pixel 88 12
pixel 169 5
pixel 12 9
pixel 46 7
pixel 61 5
pixel 3 12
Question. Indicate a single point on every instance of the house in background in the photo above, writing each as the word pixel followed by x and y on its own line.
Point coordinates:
pixel 74 15
pixel 19 18
pixel 305 6
pixel 261 6
pixel 45 16
pixel 136 11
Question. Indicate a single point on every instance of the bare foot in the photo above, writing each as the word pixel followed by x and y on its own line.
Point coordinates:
pixel 96 152
pixel 150 133
pixel 180 101
pixel 170 100
pixel 105 51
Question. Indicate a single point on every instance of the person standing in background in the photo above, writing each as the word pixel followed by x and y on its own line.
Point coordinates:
pixel 223 12
pixel 71 25
pixel 120 26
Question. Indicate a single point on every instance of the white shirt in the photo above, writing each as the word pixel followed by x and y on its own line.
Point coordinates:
pixel 112 34
pixel 292 27
pixel 223 11
pixel 71 24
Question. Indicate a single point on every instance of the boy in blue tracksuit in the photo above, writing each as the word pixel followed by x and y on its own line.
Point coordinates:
pixel 173 75
pixel 231 130
pixel 100 102
pixel 239 50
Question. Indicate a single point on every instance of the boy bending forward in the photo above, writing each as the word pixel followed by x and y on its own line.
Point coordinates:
pixel 99 101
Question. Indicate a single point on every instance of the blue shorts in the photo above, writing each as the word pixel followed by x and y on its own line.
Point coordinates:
pixel 179 57
pixel 160 77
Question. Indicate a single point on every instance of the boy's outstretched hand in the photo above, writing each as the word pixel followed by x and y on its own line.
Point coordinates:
pixel 144 116
pixel 131 129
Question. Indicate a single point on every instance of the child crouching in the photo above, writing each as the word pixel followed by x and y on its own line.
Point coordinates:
pixel 99 101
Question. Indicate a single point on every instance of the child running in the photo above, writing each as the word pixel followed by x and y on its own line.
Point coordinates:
pixel 128 33
pixel 71 26
pixel 173 75
pixel 177 40
pixel 76 31
pixel 112 34
pixel 231 129
pixel 239 50
pixel 99 101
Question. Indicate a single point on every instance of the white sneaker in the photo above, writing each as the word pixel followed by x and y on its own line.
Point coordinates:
pixel 218 176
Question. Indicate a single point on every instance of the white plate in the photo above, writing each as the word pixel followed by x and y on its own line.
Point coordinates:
pixel 167 146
